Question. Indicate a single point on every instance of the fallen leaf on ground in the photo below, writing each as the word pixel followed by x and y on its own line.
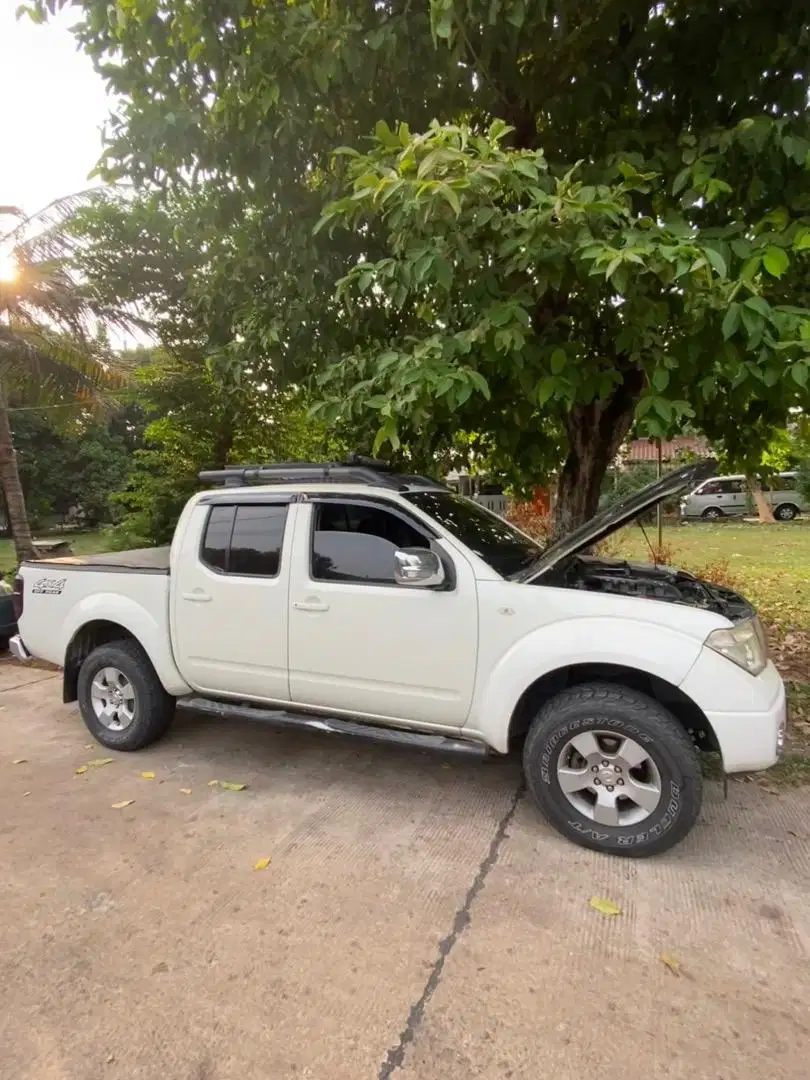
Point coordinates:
pixel 20 761
pixel 99 761
pixel 185 790
pixel 213 783
pixel 606 907
pixel 670 963
pixel 230 785
pixel 122 804
pixel 26 793
pixel 147 775
pixel 262 864
pixel 89 746
pixel 81 769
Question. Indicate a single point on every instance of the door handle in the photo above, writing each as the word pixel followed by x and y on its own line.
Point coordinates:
pixel 198 597
pixel 310 605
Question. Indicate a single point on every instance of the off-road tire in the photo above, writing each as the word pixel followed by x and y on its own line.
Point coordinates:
pixel 600 706
pixel 154 708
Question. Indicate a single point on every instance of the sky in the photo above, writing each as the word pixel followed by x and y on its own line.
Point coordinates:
pixel 54 105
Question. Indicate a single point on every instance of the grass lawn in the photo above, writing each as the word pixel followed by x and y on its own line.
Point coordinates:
pixel 82 543
pixel 770 564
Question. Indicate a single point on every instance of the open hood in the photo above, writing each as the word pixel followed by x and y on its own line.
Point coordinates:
pixel 615 517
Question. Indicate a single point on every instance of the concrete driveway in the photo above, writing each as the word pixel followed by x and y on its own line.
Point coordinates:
pixel 418 918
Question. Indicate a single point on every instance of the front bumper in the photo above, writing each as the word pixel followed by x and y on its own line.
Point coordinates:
pixel 748 714
pixel 18 650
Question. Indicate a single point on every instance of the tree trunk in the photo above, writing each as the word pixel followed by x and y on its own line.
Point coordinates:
pixel 12 489
pixel 595 433
pixel 764 512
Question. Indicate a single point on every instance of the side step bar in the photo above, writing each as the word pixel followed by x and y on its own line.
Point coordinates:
pixel 333 725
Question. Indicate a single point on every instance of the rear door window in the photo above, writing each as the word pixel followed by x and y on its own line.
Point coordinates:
pixel 245 540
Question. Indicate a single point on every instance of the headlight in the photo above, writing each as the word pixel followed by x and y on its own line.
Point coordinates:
pixel 743 643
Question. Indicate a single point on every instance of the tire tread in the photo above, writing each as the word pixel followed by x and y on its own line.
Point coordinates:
pixel 638 708
pixel 155 705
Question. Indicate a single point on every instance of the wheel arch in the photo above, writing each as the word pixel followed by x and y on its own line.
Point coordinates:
pixel 87 638
pixel 685 710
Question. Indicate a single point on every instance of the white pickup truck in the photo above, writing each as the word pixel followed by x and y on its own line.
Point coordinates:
pixel 348 598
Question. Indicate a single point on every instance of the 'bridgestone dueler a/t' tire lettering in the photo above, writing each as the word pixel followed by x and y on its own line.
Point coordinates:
pixel 606 707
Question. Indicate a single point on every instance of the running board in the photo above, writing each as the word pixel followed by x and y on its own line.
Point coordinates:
pixel 334 725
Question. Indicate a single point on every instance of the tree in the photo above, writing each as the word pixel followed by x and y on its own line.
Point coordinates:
pixel 671 138
pixel 69 466
pixel 50 345
pixel 194 425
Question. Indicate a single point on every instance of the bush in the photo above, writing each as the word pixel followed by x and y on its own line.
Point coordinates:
pixel 527 518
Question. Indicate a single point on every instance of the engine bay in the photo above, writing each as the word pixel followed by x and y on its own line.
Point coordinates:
pixel 647 582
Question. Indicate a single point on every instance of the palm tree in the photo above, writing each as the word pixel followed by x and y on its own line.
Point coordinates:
pixel 52 344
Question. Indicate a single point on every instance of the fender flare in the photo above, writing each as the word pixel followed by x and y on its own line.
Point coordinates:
pixel 136 620
pixel 648 648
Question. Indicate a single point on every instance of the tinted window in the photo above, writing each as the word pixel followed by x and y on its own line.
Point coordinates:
pixel 258 534
pixel 493 539
pixel 244 539
pixel 356 542
pixel 784 482
pixel 731 487
pixel 217 537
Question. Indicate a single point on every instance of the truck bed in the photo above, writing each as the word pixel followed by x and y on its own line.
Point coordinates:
pixel 138 560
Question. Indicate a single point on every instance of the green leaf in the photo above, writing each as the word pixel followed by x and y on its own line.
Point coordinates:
pixel 545 390
pixel 516 13
pixel 717 261
pixel 799 371
pixel 731 320
pixel 681 180
pixel 660 379
pixel 452 198
pixel 775 261
pixel 760 305
pixel 444 272
pixel 663 408
pixel 526 168
pixel 643 407
pixel 558 361
pixel 754 325
pixel 479 382
pixel 802 240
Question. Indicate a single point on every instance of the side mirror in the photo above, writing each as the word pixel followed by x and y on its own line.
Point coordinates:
pixel 418 567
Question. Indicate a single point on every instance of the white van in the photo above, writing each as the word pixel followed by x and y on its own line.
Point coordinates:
pixel 728 496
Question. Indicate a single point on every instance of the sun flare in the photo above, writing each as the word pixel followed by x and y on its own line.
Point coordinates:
pixel 8 266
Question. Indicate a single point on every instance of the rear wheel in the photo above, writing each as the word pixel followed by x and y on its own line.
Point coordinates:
pixel 712 513
pixel 613 770
pixel 786 512
pixel 121 699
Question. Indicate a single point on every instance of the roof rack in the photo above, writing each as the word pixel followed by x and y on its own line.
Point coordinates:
pixel 355 470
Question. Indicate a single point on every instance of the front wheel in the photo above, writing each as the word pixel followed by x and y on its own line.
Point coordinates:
pixel 121 699
pixel 613 770
pixel 712 513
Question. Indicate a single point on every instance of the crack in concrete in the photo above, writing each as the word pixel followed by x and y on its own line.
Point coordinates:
pixel 396 1055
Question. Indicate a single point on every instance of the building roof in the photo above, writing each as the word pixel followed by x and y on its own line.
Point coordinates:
pixel 647 449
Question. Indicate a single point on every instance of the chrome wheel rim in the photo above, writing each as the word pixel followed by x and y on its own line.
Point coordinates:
pixel 112 696
pixel 609 778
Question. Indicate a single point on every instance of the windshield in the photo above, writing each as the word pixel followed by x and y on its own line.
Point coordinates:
pixel 490 537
